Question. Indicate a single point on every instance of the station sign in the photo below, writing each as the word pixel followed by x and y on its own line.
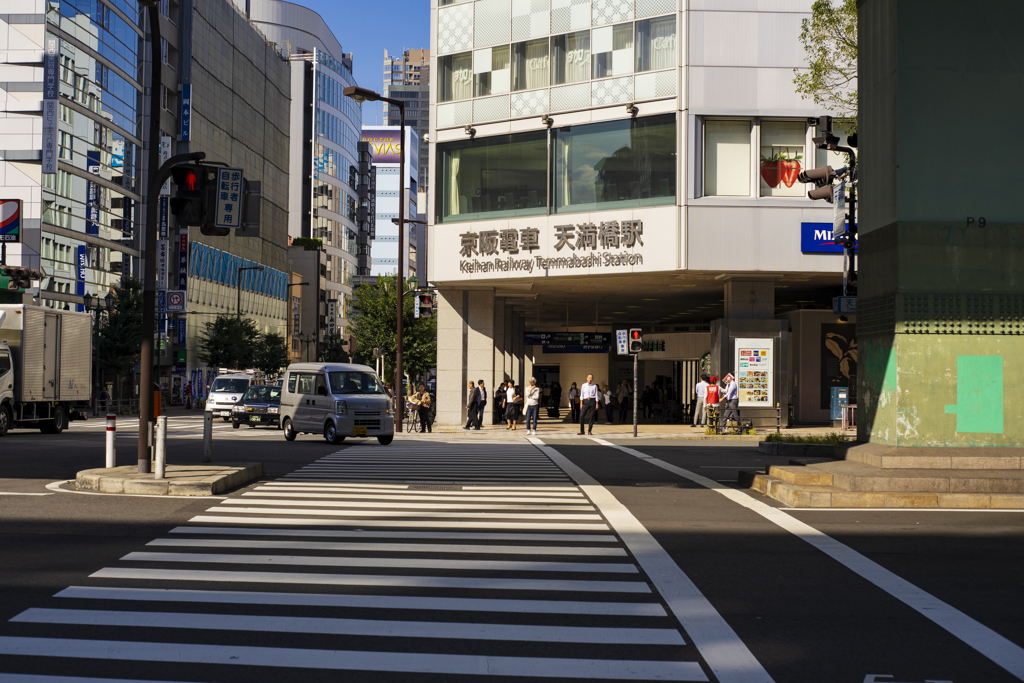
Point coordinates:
pixel 568 338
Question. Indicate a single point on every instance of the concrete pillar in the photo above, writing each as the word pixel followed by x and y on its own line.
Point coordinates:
pixel 465 342
pixel 750 300
pixel 940 299
pixel 498 364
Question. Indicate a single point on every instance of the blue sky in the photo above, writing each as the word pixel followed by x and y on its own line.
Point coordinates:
pixel 368 27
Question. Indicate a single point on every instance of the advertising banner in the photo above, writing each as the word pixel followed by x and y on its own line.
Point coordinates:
pixel 164 201
pixel 10 220
pixel 51 106
pixel 186 111
pixel 165 154
pixel 754 372
pixel 385 143
pixel 161 264
pixel 183 262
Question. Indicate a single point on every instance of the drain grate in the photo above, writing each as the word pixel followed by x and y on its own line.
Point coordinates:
pixel 434 488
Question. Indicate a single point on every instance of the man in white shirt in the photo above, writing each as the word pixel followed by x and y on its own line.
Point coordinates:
pixel 731 402
pixel 588 396
pixel 702 393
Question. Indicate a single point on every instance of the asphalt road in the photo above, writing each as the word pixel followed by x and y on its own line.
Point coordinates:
pixel 440 560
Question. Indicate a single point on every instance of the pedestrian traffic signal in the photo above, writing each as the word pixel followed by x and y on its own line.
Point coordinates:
pixel 20 277
pixel 822 177
pixel 191 201
pixel 636 340
pixel 426 305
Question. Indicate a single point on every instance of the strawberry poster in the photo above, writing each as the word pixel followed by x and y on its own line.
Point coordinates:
pixel 754 372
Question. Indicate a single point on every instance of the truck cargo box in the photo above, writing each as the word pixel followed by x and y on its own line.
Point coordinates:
pixel 52 352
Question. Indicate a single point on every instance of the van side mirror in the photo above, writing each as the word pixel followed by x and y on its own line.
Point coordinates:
pixel 322 390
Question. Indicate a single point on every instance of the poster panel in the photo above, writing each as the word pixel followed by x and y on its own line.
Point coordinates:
pixel 755 359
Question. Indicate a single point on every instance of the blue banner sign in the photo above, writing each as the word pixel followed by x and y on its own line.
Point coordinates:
pixel 817 238
pixel 186 111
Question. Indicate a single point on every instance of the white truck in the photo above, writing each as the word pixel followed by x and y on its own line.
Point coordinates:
pixel 45 367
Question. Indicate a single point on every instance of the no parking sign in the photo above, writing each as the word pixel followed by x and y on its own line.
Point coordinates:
pixel 175 301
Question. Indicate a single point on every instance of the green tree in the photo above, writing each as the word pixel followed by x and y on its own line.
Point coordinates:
pixel 375 325
pixel 118 336
pixel 332 349
pixel 829 38
pixel 271 354
pixel 231 342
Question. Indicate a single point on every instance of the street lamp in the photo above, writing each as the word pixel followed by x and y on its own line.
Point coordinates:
pixel 96 304
pixel 240 269
pixel 366 95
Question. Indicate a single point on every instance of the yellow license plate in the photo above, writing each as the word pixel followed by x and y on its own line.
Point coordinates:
pixel 359 431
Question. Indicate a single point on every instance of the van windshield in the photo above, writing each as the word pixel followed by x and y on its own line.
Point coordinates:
pixel 230 386
pixel 355 382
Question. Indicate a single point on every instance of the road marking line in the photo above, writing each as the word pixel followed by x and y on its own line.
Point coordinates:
pixel 433 535
pixel 40 678
pixel 478 549
pixel 354 627
pixel 532 490
pixel 341 660
pixel 972 632
pixel 397 581
pixel 15 493
pixel 406 523
pixel 386 562
pixel 402 602
pixel 403 513
pixel 576 506
pixel 330 494
pixel 902 509
pixel 727 655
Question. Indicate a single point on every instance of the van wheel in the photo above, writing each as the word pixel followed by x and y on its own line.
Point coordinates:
pixel 289 433
pixel 5 420
pixel 331 434
pixel 55 425
pixel 235 425
pixel 386 440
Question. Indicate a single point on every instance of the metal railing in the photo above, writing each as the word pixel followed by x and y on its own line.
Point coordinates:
pixel 849 417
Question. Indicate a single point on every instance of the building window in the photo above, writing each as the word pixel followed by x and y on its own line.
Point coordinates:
pixel 456 77
pixel 656 43
pixel 571 56
pixel 530 64
pixel 615 164
pixel 782 157
pixel 613 50
pixel 496 177
pixel 491 74
pixel 727 158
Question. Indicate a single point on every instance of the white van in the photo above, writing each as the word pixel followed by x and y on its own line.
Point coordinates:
pixel 227 390
pixel 337 400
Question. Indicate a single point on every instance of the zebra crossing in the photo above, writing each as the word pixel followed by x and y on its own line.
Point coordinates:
pixel 178 427
pixel 426 558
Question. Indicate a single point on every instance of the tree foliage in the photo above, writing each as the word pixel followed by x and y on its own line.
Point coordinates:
pixel 375 326
pixel 271 354
pixel 231 342
pixel 829 38
pixel 118 335
pixel 332 349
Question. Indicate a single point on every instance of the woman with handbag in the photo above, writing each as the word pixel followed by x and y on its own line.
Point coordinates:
pixel 512 395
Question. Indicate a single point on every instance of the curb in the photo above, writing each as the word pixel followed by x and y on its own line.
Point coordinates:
pixel 181 480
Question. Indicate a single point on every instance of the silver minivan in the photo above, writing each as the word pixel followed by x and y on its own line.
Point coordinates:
pixel 337 400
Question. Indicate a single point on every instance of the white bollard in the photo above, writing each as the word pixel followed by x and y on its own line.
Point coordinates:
pixel 111 445
pixel 161 446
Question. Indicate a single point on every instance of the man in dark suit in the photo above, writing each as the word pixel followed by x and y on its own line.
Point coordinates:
pixel 470 405
pixel 481 404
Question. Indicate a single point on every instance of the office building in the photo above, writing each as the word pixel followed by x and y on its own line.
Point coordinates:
pixel 323 155
pixel 598 165
pixel 407 78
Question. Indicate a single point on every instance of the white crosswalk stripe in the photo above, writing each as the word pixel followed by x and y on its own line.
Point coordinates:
pixel 427 558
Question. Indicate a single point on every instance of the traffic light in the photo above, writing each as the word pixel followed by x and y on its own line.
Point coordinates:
pixel 822 177
pixel 424 305
pixel 636 340
pixel 20 278
pixel 191 201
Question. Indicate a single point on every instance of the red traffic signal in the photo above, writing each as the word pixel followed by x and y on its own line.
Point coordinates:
pixel 636 340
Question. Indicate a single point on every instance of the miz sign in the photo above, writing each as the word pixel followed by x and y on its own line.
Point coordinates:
pixel 586 245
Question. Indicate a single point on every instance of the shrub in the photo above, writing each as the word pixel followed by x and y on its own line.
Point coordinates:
pixel 831 439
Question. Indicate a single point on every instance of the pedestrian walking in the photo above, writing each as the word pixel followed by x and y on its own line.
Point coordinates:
pixel 499 403
pixel 574 402
pixel 533 396
pixel 623 394
pixel 511 407
pixel 556 395
pixel 609 400
pixel 481 404
pixel 711 401
pixel 729 406
pixel 702 393
pixel 104 400
pixel 646 401
pixel 471 405
pixel 588 405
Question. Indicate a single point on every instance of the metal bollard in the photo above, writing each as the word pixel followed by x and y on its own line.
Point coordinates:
pixel 207 436
pixel 161 447
pixel 111 444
